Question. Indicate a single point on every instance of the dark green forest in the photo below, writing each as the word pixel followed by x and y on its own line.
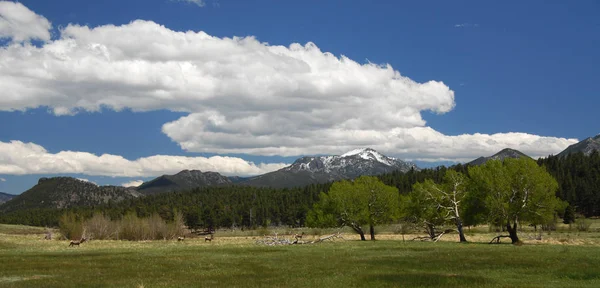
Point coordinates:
pixel 578 178
pixel 246 207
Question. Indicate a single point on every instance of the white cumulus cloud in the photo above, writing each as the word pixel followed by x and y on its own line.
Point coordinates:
pixel 2 180
pixel 133 183
pixel 21 24
pixel 242 95
pixel 18 158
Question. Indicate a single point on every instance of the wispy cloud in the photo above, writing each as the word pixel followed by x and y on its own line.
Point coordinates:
pixel 466 25
pixel 87 180
pixel 134 183
pixel 2 180
pixel 199 3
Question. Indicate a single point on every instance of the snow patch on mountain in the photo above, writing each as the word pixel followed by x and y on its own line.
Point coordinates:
pixel 322 169
pixel 357 160
pixel 370 154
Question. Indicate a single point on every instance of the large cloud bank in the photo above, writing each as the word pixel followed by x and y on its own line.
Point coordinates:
pixel 242 95
pixel 18 158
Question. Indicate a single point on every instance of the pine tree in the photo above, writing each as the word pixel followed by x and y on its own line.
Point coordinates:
pixel 569 216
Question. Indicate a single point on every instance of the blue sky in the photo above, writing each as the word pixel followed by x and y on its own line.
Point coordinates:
pixel 465 79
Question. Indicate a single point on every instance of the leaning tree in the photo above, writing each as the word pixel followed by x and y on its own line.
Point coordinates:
pixel 435 204
pixel 515 191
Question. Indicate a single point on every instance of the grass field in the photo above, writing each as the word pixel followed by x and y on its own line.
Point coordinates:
pixel 26 260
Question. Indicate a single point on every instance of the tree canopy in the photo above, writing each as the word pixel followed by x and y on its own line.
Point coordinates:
pixel 515 190
pixel 366 201
pixel 434 204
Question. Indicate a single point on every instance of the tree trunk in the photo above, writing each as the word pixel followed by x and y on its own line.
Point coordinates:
pixel 360 232
pixel 512 232
pixel 430 230
pixel 372 231
pixel 459 227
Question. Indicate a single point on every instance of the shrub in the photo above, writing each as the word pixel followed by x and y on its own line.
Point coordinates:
pixel 582 225
pixel 403 228
pixel 130 227
pixel 178 225
pixel 157 228
pixel 100 227
pixel 70 226
pixel 133 228
pixel 316 232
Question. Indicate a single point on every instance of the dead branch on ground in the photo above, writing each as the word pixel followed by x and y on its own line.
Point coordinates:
pixel 497 239
pixel 276 240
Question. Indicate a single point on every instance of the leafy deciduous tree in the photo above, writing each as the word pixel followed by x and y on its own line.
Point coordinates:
pixel 516 190
pixel 356 204
pixel 435 204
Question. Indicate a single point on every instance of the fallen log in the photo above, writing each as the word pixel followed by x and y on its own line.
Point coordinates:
pixel 330 237
pixel 273 241
pixel 497 239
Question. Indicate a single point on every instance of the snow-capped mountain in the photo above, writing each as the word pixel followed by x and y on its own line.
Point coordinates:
pixel 321 169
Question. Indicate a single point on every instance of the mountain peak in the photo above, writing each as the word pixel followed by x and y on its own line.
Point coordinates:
pixel 586 146
pixel 183 180
pixel 358 151
pixel 189 172
pixel 369 154
pixel 64 192
pixel 501 155
pixel 509 152
pixel 321 169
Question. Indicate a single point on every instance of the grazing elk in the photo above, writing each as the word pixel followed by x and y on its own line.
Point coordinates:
pixel 179 239
pixel 298 236
pixel 208 238
pixel 76 242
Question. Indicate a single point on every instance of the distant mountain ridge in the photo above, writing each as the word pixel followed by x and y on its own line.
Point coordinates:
pixel 322 169
pixel 587 146
pixel 5 197
pixel 186 179
pixel 65 192
pixel 503 154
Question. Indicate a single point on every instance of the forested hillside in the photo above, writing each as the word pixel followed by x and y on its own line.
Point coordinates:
pixel 240 206
pixel 578 177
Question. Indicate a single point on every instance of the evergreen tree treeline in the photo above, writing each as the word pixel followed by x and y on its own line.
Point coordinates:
pixel 578 178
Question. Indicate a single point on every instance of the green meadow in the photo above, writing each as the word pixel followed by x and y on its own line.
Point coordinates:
pixel 26 260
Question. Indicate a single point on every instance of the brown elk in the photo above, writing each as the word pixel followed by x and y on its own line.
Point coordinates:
pixel 209 239
pixel 76 242
pixel 179 239
pixel 298 236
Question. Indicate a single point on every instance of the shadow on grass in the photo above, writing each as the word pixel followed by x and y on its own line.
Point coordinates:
pixel 7 245
pixel 428 279
pixel 583 275
pixel 401 248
